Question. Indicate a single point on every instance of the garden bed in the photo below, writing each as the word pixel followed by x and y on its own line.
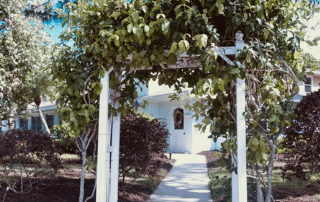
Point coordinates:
pixel 283 190
pixel 65 187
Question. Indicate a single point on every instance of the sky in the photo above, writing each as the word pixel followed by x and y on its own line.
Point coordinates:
pixel 312 31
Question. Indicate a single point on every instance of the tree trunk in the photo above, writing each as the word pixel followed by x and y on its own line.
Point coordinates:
pixel 94 150
pixel 43 121
pixel 83 170
pixel 269 173
pixel 260 197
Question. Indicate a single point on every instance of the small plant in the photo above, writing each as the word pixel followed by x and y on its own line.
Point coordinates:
pixel 65 138
pixel 27 158
pixel 221 187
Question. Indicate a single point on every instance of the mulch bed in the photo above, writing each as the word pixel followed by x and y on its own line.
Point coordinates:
pixel 280 195
pixel 62 189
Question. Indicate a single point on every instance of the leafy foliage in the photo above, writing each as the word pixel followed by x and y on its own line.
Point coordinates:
pixel 64 138
pixel 143 143
pixel 27 158
pixel 155 33
pixel 302 139
pixel 24 58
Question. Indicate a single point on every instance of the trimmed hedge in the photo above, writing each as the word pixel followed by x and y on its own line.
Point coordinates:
pixel 142 145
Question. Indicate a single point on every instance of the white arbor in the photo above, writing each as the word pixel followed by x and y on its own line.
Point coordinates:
pixel 108 148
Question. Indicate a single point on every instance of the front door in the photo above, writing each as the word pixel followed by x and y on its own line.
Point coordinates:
pixel 181 131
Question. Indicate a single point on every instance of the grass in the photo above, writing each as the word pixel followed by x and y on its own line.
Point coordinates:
pixel 151 182
pixel 294 183
pixel 220 182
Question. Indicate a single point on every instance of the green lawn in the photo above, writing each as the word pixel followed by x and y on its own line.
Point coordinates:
pixel 220 183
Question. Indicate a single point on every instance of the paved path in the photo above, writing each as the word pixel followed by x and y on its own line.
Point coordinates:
pixel 187 181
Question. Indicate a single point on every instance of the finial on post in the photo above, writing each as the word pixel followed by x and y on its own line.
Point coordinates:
pixel 239 41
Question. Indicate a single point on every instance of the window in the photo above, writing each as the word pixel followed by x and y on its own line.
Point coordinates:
pixel 50 121
pixel 178 117
pixel 308 85
pixel 23 124
pixel 36 124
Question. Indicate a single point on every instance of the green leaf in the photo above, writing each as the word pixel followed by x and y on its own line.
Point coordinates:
pixel 119 57
pixel 181 46
pixel 116 40
pixel 101 72
pixel 165 27
pixel 115 15
pixel 186 44
pixel 201 82
pixel 259 21
pixel 135 94
pixel 137 30
pixel 273 118
pixel 97 48
pixel 221 85
pixel 206 121
pixel 248 57
pixel 255 141
pixel 266 34
pixel 147 30
pixel 275 130
pixel 220 8
pixel 135 16
pixel 129 28
pixel 173 47
pixel 153 57
pixel 144 8
pixel 280 110
pixel 202 40
pixel 234 71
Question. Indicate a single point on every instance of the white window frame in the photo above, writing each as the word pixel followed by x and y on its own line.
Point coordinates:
pixel 311 84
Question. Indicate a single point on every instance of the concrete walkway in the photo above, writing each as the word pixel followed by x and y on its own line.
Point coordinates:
pixel 187 181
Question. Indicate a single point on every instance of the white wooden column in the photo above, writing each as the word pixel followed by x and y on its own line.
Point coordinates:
pixel 103 163
pixel 115 152
pixel 239 185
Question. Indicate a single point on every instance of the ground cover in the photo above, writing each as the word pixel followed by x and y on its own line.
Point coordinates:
pixel 65 186
pixel 284 190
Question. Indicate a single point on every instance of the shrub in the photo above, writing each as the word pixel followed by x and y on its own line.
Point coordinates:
pixel 64 138
pixel 303 139
pixel 142 145
pixel 281 149
pixel 27 158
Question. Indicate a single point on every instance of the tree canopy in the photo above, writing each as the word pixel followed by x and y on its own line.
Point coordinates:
pixel 24 56
pixel 154 33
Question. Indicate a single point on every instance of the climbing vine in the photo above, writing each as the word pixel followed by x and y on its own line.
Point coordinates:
pixel 153 34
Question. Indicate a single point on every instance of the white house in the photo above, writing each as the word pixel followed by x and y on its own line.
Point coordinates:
pixel 187 138
pixel 34 122
pixel 184 137
pixel 312 84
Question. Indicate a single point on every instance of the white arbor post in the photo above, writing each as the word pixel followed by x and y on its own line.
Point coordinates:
pixel 239 184
pixel 103 160
pixel 115 151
